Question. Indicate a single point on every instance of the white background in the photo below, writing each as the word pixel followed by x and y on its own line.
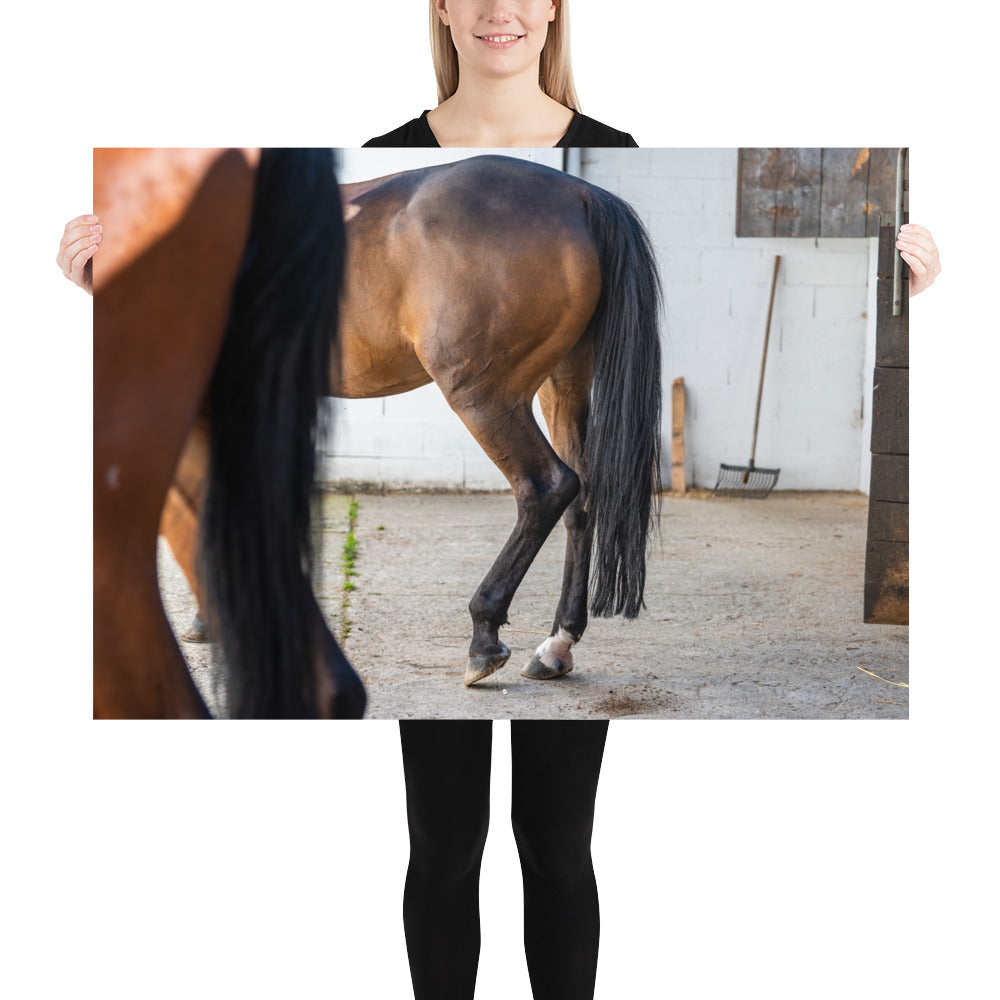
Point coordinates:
pixel 261 860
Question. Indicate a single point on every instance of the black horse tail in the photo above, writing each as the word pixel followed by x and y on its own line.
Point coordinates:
pixel 274 365
pixel 623 429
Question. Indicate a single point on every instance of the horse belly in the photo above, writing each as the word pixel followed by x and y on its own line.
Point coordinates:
pixel 363 365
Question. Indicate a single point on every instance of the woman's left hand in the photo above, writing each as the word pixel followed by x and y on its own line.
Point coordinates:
pixel 81 240
pixel 917 248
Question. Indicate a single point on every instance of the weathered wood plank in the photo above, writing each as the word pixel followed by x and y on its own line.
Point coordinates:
pixel 891 412
pixel 809 192
pixel 845 192
pixel 881 187
pixel 887 583
pixel 888 522
pixel 892 333
pixel 890 478
pixel 755 208
pixel 798 184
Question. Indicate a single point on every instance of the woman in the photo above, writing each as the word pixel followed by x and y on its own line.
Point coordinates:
pixel 503 79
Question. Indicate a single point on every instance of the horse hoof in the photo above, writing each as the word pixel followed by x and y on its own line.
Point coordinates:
pixel 552 658
pixel 482 666
pixel 548 669
pixel 197 631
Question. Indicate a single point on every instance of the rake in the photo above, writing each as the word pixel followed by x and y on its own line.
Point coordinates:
pixel 747 480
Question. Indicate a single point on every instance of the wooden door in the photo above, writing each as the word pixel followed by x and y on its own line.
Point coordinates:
pixel 887 556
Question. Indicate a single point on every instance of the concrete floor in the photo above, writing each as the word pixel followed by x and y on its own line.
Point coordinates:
pixel 753 610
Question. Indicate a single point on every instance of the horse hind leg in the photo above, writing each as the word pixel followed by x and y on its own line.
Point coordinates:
pixel 340 693
pixel 564 400
pixel 543 487
pixel 179 521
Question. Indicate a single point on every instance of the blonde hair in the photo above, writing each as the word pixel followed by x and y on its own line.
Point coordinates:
pixel 555 74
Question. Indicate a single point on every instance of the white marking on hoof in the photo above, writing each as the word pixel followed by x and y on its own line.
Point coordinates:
pixel 555 652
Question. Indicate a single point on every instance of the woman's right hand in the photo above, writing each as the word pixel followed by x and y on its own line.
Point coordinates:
pixel 79 243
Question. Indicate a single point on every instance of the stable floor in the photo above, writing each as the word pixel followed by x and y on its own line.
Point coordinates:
pixel 753 611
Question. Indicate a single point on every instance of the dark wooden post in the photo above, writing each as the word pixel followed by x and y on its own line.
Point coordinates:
pixel 887 557
pixel 677 481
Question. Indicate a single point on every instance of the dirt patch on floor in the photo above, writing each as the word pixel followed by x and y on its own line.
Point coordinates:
pixel 617 704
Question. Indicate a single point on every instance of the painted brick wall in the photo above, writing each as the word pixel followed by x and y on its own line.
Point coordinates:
pixel 813 416
pixel 716 290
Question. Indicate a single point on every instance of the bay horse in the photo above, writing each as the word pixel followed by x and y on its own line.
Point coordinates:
pixel 216 294
pixel 500 279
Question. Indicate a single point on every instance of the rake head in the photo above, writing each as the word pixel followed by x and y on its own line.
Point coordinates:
pixel 745 481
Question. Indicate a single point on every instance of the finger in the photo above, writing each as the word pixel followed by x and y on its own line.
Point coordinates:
pixel 917 239
pixel 75 239
pixel 924 262
pixel 79 262
pixel 909 251
pixel 80 220
pixel 80 226
pixel 74 232
pixel 916 265
pixel 68 253
pixel 917 244
pixel 918 235
pixel 920 278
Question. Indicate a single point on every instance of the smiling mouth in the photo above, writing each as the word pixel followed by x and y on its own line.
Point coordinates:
pixel 499 41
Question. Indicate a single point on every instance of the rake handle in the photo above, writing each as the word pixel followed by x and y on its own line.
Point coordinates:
pixel 763 360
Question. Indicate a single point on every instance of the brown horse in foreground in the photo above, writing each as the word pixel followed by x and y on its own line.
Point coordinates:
pixel 499 279
pixel 216 293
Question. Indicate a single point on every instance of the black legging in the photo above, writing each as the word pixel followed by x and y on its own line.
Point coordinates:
pixel 554 776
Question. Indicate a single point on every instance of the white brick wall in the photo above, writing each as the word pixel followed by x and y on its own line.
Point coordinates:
pixel 815 410
pixel 716 290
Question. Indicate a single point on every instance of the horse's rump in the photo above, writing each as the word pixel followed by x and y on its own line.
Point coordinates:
pixel 458 269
